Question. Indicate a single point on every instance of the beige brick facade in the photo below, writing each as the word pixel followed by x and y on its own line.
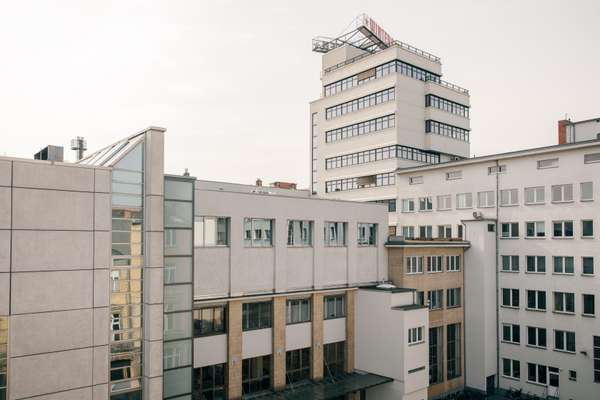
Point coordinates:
pixel 350 314
pixel 234 352
pixel 279 323
pixel 316 370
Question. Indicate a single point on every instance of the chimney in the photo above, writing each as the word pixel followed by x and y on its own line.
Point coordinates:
pixel 50 153
pixel 562 131
pixel 258 182
pixel 284 185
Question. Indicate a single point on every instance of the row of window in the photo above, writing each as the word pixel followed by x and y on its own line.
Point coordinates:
pixel 378 72
pixel 537 229
pixel 537 337
pixel 564 265
pixel 361 128
pixel 210 382
pixel 536 373
pixel 258 232
pixel 435 298
pixel 447 130
pixel 564 302
pixel 212 320
pixel 414 264
pixel 426 231
pixel 436 353
pixel 507 197
pixel 362 182
pixel 360 103
pixel 382 153
pixel 443 104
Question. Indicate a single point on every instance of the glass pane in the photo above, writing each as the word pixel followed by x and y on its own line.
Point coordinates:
pixel 133 160
pixel 178 214
pixel 178 242
pixel 177 354
pixel 210 231
pixel 178 298
pixel 127 188
pixel 177 381
pixel 178 190
pixel 126 200
pixel 178 325
pixel 178 269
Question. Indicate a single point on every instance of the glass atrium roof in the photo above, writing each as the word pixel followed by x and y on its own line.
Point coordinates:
pixel 108 156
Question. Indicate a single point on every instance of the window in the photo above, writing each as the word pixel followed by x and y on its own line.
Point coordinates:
pixel 587 228
pixel 564 341
pixel 486 199
pixel 564 265
pixel 415 335
pixel 444 202
pixel 510 230
pixel 572 375
pixel 436 299
pixel 587 191
pixel 425 204
pixel 510 298
pixel 537 373
pixel 535 195
pixel 408 205
pixel 450 131
pixel 446 105
pixel 360 103
pixel 562 193
pixel 587 265
pixel 536 336
pixel 209 321
pixel 258 232
pixel 335 234
pixel 425 232
pixel 536 300
pixel 453 175
pixel 297 365
pixel 408 232
pixel 509 197
pixel 563 229
pixel 564 302
pixel 334 306
pixel 300 233
pixel 209 382
pixel 211 231
pixel 382 153
pixel 511 368
pixel 453 345
pixel 511 333
pixel 591 158
pixel 589 304
pixel 510 263
pixel 256 316
pixel 334 358
pixel 500 169
pixel 452 263
pixel 391 204
pixel 459 230
pixel 256 374
pixel 415 180
pixel 361 128
pixel 453 298
pixel 436 355
pixel 596 356
pixel 535 229
pixel 549 163
pixel 361 182
pixel 298 310
pixel 445 231
pixel 367 234
pixel 434 263
pixel 536 264
pixel 464 200
pixel 414 265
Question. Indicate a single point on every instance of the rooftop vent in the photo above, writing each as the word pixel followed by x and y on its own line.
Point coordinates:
pixel 50 153
pixel 79 145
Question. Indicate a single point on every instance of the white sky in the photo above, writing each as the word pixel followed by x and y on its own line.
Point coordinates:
pixel 231 80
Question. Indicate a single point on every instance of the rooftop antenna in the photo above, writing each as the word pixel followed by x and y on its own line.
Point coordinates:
pixel 79 145
pixel 186 172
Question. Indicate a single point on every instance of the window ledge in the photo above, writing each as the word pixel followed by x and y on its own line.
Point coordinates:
pixel 535 273
pixel 535 204
pixel 453 270
pixel 416 343
pixel 511 378
pixel 509 238
pixel 298 246
pixel 563 312
pixel 588 315
pixel 425 211
pixel 535 310
pixel 434 272
pixel 508 271
pixel 562 201
pixel 535 238
pixel 564 273
pixel 537 383
pixel 510 307
pixel 298 323
pixel 509 205
pixel 588 237
pixel 536 347
pixel 565 351
pixel 513 343
pixel 216 246
pixel 563 237
pixel 588 275
pixel 586 200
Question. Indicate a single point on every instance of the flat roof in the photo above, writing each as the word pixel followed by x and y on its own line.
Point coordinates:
pixel 502 156
pixel 400 241
pixel 387 289
pixel 410 307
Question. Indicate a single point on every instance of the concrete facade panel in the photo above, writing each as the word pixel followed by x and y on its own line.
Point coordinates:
pixel 102 181
pixel 256 343
pixel 50 332
pixel 298 336
pixel 153 356
pixel 101 365
pixel 76 394
pixel 211 271
pixel 4 293
pixel 52 250
pixel 101 319
pixel 210 350
pixel 52 209
pixel 154 209
pixel 5 173
pixel 102 212
pixel 101 288
pixel 100 392
pixel 102 249
pixel 334 330
pixel 51 291
pixel 44 175
pixel 153 327
pixel 53 372
pixel 5 212
pixel 153 285
pixel 4 250
pixel 154 249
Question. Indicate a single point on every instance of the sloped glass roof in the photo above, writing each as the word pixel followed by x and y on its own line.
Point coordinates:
pixel 109 155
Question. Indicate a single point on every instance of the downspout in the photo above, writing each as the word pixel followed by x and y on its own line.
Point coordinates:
pixel 497 277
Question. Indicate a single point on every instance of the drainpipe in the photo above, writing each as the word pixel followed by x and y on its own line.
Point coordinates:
pixel 497 277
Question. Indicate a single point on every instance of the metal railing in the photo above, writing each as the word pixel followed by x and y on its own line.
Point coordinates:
pixel 449 85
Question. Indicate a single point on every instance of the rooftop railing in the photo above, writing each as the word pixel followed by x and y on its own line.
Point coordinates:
pixel 449 85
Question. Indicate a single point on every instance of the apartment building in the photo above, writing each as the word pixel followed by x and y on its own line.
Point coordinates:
pixel 530 279
pixel 434 269
pixel 383 106
pixel 120 282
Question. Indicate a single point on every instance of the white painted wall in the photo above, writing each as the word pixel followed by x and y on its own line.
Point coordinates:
pixel 334 330
pixel 258 342
pixel 298 336
pixel 210 350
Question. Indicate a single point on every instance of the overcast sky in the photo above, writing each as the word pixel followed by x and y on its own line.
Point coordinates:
pixel 231 80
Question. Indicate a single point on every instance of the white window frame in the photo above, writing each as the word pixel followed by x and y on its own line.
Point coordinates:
pixel 425 204
pixel 564 302
pixel 428 232
pixel 537 380
pixel 434 264
pixel 582 230
pixel 537 296
pixel 511 292
pixel 512 335
pixel 564 190
pixel 486 199
pixel 445 231
pixel 500 169
pixel 437 294
pixel 407 205
pixel 410 229
pixel 562 229
pixel 453 263
pixel 511 230
pixel 453 298
pixel 414 265
pixel 452 175
pixel 581 191
pixel 593 265
pixel 509 197
pixel 302 225
pixel 444 202
pixel 538 193
pixel 537 337
pixel 565 341
pixel 539 230
pixel 547 163
pixel 467 203
pixel 511 263
pixel 563 265
pixel 514 367
pixel 415 335
pixel 415 180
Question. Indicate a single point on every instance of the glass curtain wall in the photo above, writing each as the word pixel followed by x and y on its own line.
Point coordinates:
pixel 178 291
pixel 126 276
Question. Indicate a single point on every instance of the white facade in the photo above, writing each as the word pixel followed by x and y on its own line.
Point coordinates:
pixel 543 187
pixel 390 129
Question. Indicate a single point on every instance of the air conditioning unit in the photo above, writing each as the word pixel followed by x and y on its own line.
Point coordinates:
pixel 477 215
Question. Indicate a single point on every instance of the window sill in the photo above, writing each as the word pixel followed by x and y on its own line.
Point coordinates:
pixel 535 238
pixel 563 312
pixel 452 307
pixel 537 383
pixel 297 246
pixel 444 209
pixel 535 204
pixel 588 275
pixel 536 347
pixel 509 271
pixel 513 343
pixel 434 272
pixel 535 310
pixel 366 245
pixel 586 200
pixel 425 211
pixel 407 212
pixel 258 247
pixel 414 273
pixel 562 201
pixel 588 237
pixel 509 205
pixel 509 238
pixel 536 272
pixel 335 247
pixel 565 351
pixel 336 317
pixel 486 206
pixel 216 246
pixel 512 378
pixel 416 343
pixel 298 323
pixel 563 237
pixel 464 208
pixel 510 307
pixel 453 270
pixel 564 273
pixel 588 315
